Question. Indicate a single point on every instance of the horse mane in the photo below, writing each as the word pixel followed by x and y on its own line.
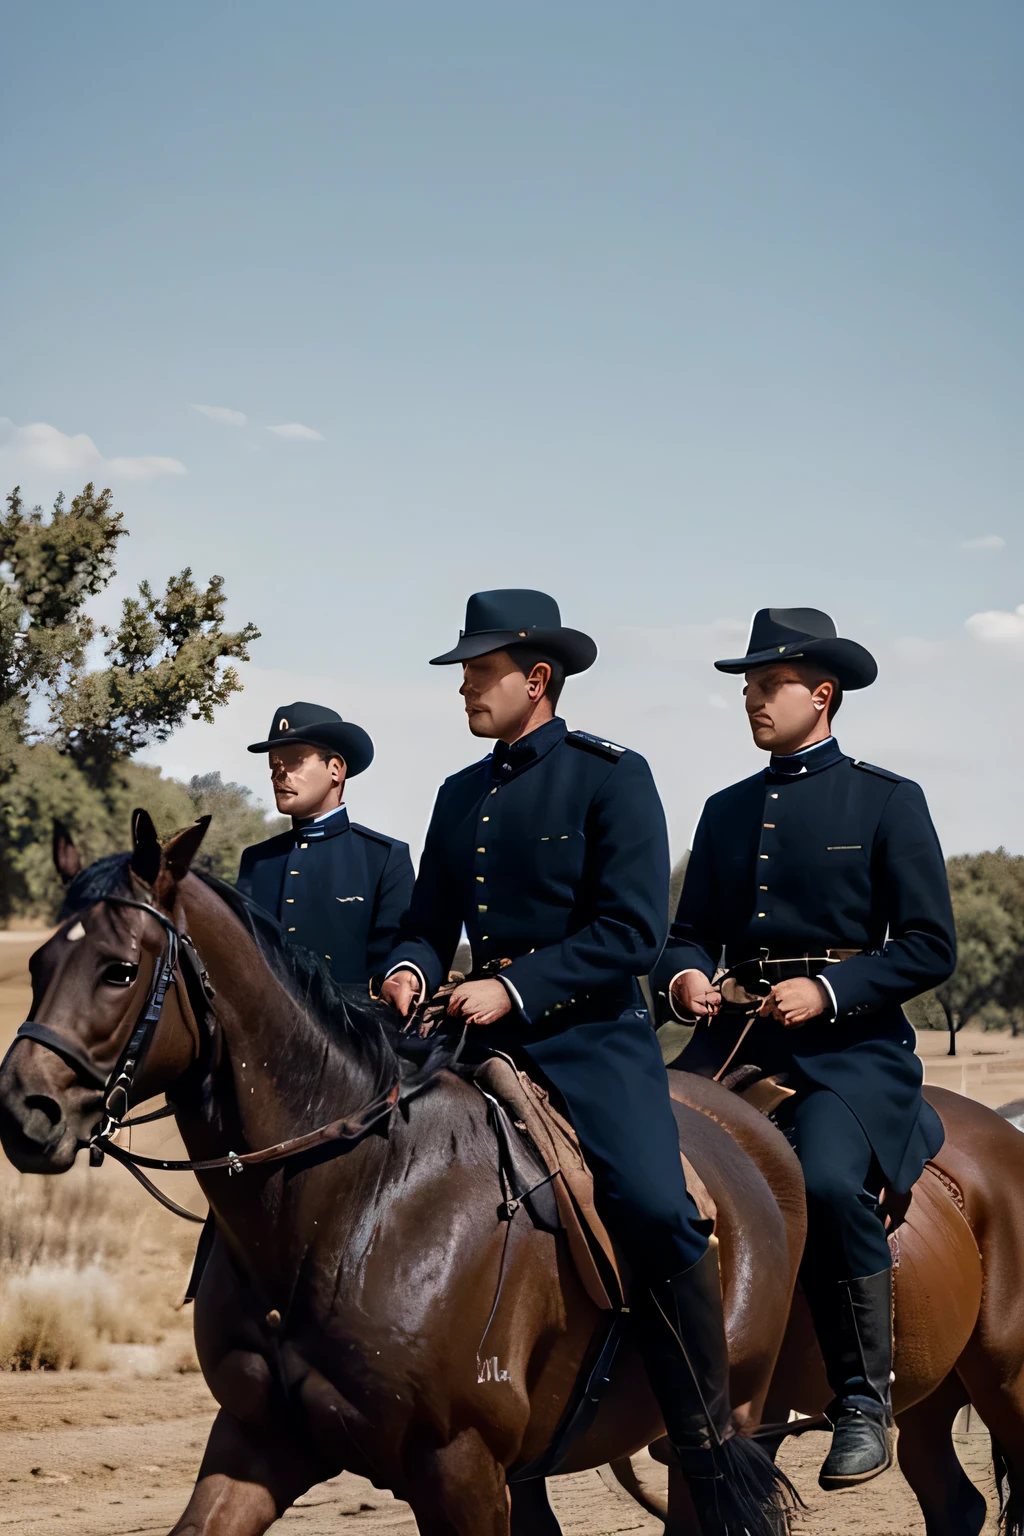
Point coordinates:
pixel 341 1011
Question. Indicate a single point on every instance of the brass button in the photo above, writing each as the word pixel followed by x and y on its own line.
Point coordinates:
pixel 484 937
pixel 769 824
pixel 485 818
pixel 494 791
pixel 762 914
pixel 290 900
pixel 762 887
pixel 291 930
pixel 293 871
pixel 481 850
pixel 481 909
pixel 764 855
pixel 303 845
pixel 479 879
pixel 775 794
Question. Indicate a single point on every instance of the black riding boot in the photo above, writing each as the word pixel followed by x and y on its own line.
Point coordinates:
pixel 734 1485
pixel 853 1320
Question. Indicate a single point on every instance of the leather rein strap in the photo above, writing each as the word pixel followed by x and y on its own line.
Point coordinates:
pixel 117 1083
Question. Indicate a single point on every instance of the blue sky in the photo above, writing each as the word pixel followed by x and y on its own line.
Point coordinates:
pixel 674 310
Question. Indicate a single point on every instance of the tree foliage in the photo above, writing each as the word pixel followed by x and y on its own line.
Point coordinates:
pixel 988 904
pixel 78 699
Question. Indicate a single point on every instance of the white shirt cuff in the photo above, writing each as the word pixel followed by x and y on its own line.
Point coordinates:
pixel 828 989
pixel 691 970
pixel 513 994
pixel 407 965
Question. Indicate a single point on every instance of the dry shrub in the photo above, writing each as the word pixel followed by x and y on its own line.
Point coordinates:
pixel 87 1260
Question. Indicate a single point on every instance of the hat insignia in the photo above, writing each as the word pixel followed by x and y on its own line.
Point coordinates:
pixel 282 724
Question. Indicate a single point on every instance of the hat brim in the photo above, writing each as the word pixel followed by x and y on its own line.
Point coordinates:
pixel 851 665
pixel 351 743
pixel 575 650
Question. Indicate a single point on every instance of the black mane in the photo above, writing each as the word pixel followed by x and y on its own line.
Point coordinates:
pixel 342 1010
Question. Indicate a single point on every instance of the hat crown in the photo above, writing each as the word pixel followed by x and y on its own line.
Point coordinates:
pixel 511 608
pixel 291 719
pixel 786 626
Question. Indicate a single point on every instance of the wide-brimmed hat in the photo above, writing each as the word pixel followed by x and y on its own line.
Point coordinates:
pixel 315 726
pixel 804 634
pixel 511 616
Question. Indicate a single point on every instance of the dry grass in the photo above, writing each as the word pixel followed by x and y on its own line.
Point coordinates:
pixel 86 1263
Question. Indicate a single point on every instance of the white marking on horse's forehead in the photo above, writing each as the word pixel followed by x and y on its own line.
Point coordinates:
pixel 75 932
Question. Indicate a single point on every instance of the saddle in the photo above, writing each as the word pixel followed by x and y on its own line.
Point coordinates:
pixel 543 1170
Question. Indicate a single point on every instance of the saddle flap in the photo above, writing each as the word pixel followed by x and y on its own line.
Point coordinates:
pixel 532 1114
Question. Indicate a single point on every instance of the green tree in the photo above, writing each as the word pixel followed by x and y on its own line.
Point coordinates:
pixel 237 822
pixel 67 728
pixel 988 905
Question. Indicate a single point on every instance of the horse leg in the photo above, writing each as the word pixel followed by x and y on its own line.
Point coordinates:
pixel 247 1480
pixel 994 1378
pixel 532 1514
pixel 949 1501
pixel 460 1490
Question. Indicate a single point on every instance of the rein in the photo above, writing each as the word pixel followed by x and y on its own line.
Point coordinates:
pixel 117 1083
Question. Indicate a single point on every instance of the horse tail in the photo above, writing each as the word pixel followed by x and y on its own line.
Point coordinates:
pixel 748 1495
pixel 1011 1499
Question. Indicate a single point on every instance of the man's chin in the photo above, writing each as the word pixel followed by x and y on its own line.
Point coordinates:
pixel 480 725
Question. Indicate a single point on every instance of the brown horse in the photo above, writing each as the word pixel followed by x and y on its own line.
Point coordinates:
pixel 959 1322
pixel 344 1317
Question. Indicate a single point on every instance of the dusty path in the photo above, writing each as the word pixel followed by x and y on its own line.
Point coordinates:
pixel 101 1454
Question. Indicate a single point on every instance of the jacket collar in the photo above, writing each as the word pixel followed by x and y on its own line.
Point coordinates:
pixel 507 761
pixel 824 754
pixel 318 831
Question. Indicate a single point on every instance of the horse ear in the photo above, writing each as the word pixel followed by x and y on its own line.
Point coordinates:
pixel 66 858
pixel 146 852
pixel 182 848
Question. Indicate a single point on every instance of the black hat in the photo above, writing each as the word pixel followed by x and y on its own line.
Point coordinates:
pixel 804 634
pixel 319 727
pixel 496 621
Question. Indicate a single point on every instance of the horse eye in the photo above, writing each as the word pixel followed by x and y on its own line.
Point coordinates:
pixel 120 974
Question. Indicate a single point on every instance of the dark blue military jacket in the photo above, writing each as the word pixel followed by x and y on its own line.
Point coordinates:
pixel 553 853
pixel 834 855
pixel 335 887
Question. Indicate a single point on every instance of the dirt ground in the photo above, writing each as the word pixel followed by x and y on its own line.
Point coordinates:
pixel 107 1453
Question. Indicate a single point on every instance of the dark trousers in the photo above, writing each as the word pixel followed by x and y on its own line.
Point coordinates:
pixel 610 1081
pixel 845 1236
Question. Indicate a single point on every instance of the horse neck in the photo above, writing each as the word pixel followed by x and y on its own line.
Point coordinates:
pixel 278 1073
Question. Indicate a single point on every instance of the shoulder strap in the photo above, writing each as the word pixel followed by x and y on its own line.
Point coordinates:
pixel 374 837
pixel 596 744
pixel 883 773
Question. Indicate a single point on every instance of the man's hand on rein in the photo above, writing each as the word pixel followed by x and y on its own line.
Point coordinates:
pixel 795 1002
pixel 693 993
pixel 480 1002
pixel 402 991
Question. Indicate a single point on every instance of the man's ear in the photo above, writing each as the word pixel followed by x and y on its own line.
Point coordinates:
pixel 66 858
pixel 146 855
pixel 823 695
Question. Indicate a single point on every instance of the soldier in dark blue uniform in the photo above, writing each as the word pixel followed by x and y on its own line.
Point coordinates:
pixel 552 851
pixel 336 888
pixel 820 886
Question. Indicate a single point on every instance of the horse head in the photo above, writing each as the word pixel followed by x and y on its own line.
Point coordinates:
pixel 92 982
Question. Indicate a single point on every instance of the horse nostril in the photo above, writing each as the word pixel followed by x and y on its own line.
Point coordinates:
pixel 43 1116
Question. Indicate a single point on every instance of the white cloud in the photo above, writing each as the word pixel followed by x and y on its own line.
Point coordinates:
pixel 996 627
pixel 297 432
pixel 40 449
pixel 987 541
pixel 222 414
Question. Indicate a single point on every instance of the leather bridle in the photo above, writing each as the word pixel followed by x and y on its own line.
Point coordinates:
pixel 117 1083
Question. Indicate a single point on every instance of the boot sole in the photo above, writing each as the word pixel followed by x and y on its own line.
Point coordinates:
pixel 833 1484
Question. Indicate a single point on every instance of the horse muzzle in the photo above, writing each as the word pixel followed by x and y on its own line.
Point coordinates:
pixel 43 1124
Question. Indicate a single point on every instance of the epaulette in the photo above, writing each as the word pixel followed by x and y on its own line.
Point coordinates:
pixel 597 744
pixel 883 773
pixel 376 837
pixel 463 773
